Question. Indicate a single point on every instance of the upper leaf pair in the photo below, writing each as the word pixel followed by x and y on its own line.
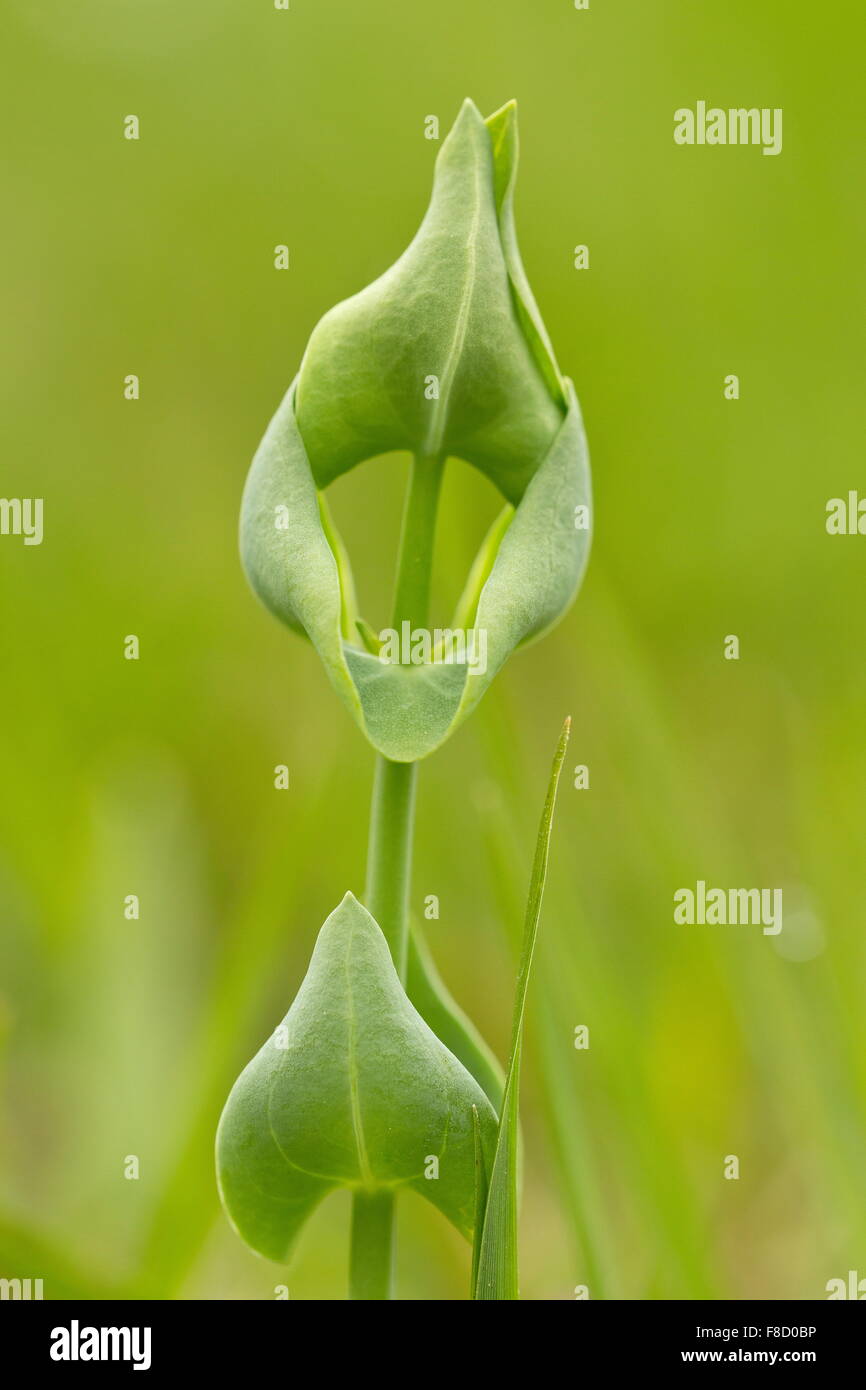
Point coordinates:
pixel 445 355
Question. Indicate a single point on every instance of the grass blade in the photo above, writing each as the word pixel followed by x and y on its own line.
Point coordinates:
pixel 481 1190
pixel 494 1262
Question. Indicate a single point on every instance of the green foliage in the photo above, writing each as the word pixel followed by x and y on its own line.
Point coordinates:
pixel 494 1263
pixel 452 306
pixel 352 1090
pixel 444 355
pixel 455 307
pixel 757 764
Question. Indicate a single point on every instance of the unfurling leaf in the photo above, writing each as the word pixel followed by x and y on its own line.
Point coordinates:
pixel 456 308
pixel 351 1090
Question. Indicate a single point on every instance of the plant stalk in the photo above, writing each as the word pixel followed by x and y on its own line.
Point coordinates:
pixel 371 1250
pixel 389 858
pixel 415 561
pixel 389 861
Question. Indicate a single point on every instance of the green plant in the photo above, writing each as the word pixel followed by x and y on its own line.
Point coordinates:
pixel 374 1073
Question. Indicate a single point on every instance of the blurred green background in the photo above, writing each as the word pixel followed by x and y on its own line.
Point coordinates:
pixel 261 127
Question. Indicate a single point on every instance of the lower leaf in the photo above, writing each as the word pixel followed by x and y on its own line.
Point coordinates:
pixel 353 1089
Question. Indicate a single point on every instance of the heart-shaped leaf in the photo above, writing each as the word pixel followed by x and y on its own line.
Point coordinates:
pixel 351 1090
pixel 448 309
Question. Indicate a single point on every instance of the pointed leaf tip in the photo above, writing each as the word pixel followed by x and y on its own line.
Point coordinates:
pixel 352 1089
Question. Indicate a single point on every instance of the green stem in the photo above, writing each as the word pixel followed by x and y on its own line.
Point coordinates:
pixel 389 860
pixel 371 1257
pixel 415 563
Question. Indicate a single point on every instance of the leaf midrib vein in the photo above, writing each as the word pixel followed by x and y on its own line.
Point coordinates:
pixel 366 1171
pixel 449 372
